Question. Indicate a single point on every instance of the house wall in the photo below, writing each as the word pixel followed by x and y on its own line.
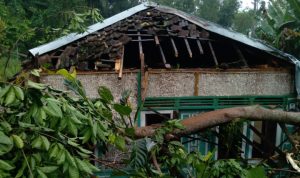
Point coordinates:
pixel 187 83
pixel 218 83
pixel 92 81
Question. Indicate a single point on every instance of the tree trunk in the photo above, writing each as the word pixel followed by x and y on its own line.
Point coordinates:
pixel 213 118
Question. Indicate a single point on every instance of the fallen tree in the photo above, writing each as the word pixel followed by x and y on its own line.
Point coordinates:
pixel 214 118
pixel 45 132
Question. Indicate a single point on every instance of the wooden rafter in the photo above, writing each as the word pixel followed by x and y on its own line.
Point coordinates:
pixel 213 53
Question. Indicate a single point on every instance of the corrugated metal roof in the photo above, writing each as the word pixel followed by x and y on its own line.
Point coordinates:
pixel 215 28
pixel 209 26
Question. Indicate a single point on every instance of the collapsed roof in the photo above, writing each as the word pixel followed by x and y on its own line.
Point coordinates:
pixel 156 36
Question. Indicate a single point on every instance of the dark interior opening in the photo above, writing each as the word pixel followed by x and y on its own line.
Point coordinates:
pixel 131 56
pixel 156 118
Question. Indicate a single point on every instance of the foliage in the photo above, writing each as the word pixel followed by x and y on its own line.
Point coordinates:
pixel 209 10
pixel 244 21
pixel 227 11
pixel 9 68
pixel 46 133
pixel 280 25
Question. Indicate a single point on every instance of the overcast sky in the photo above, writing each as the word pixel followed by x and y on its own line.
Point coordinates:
pixel 248 3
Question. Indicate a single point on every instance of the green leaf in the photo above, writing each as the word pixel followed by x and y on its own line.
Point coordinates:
pixel 72 128
pixel 4 165
pixel 105 94
pixel 19 93
pixel 83 166
pixel 52 109
pixel 18 141
pixel 5 126
pixel 48 169
pixel 139 154
pixel 122 110
pixel 32 162
pixel 256 172
pixel 25 125
pixel 10 97
pixel 46 143
pixel 3 91
pixel 6 144
pixel 85 150
pixel 37 143
pixel 70 142
pixel 41 174
pixel 73 172
pixel 36 72
pixel 130 132
pixel 61 157
pixel 71 159
pixel 53 151
pixel 87 135
pixel 75 120
pixel 65 73
pixel 35 85
pixel 120 143
pixel 21 170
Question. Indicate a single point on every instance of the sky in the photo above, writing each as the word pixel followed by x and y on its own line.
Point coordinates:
pixel 248 4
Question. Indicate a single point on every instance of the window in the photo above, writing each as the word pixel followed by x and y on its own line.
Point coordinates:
pixel 151 117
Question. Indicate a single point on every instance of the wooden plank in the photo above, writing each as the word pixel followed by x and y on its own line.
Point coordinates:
pixel 174 47
pixel 200 46
pixel 213 53
pixel 240 55
pixel 188 47
pixel 168 66
pixel 173 44
pixel 121 64
pixel 156 40
pixel 142 60
pixel 143 40
pixel 140 45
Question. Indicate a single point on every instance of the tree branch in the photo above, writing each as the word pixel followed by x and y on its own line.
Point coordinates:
pixel 210 119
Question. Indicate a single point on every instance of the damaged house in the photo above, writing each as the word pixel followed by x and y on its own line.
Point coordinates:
pixel 177 65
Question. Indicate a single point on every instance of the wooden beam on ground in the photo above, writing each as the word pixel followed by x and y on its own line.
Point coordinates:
pixel 121 64
pixel 188 47
pixel 213 53
pixel 200 47
pixel 240 55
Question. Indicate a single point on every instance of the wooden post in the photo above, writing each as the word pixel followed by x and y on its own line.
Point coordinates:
pixel 200 47
pixel 122 63
pixel 188 47
pixel 173 44
pixel 168 66
pixel 213 53
pixel 142 60
pixel 174 47
pixel 240 55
